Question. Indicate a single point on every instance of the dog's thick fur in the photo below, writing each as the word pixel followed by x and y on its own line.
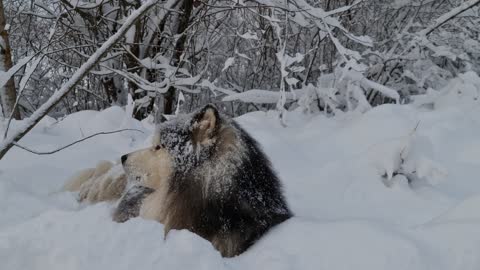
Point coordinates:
pixel 105 182
pixel 206 174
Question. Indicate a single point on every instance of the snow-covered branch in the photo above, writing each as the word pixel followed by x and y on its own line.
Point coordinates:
pixel 30 122
pixel 448 16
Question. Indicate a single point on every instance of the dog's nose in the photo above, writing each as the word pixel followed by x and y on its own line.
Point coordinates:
pixel 124 158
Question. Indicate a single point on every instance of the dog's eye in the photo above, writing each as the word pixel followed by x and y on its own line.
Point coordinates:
pixel 158 147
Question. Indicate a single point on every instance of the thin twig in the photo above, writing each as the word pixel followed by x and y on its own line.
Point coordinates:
pixel 73 143
pixel 46 107
pixel 449 15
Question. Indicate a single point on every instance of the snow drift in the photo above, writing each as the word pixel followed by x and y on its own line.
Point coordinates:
pixel 394 188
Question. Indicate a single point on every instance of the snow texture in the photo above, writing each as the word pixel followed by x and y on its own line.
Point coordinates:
pixel 228 63
pixel 259 96
pixel 462 91
pixel 345 178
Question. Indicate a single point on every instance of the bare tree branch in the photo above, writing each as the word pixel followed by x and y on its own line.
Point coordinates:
pixel 449 15
pixel 30 122
pixel 73 143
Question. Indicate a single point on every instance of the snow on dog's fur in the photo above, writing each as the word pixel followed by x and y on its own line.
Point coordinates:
pixel 206 174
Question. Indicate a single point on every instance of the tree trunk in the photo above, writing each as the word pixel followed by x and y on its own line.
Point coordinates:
pixel 8 95
pixel 183 21
pixel 29 123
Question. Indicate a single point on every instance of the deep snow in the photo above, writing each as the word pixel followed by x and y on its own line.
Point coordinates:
pixel 349 212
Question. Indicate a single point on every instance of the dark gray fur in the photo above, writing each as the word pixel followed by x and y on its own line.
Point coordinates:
pixel 130 203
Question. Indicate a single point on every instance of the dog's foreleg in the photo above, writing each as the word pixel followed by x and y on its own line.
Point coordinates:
pixel 130 202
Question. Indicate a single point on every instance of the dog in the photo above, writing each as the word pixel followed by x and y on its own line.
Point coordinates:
pixel 203 173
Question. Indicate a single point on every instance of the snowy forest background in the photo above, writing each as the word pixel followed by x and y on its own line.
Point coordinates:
pixel 368 111
pixel 321 56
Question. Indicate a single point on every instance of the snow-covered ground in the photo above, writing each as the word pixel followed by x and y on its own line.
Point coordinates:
pixel 352 208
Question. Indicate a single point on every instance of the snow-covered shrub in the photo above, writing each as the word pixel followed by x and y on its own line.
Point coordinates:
pixel 463 90
pixel 319 55
pixel 409 158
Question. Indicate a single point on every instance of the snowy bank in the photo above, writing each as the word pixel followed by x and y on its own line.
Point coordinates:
pixel 394 188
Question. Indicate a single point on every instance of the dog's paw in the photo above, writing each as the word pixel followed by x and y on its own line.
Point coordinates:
pixel 130 203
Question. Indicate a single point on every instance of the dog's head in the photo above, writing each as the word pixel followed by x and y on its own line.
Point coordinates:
pixel 179 145
pixel 147 166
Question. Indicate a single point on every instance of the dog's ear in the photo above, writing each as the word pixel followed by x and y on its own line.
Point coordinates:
pixel 163 118
pixel 205 123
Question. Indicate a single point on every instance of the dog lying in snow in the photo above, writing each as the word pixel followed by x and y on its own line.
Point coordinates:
pixel 203 173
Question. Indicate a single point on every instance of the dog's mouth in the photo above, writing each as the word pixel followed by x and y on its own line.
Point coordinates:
pixel 134 175
pixel 133 180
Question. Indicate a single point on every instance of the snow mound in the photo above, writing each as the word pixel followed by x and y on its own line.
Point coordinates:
pixel 394 188
pixel 461 91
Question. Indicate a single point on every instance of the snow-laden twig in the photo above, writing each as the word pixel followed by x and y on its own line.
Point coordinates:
pixel 23 82
pixel 6 75
pixel 73 143
pixel 263 96
pixel 28 73
pixel 448 16
pixel 30 122
pixel 385 90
